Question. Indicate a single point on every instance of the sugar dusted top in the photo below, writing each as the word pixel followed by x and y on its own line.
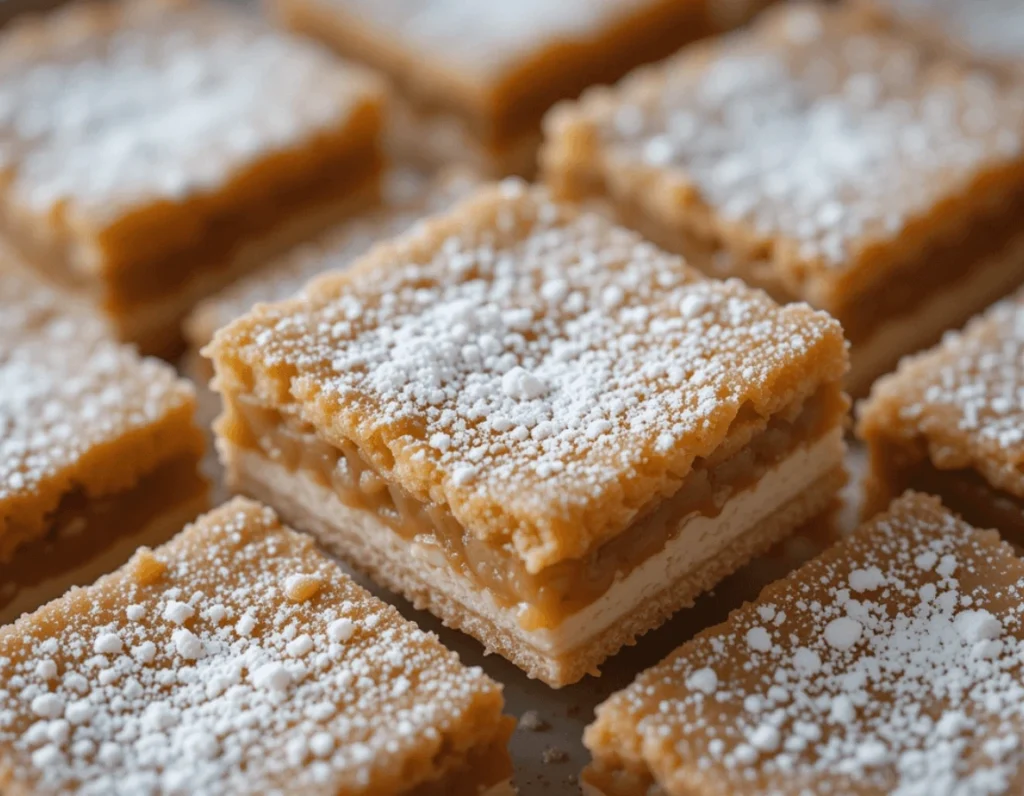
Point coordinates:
pixel 111 106
pixel 964 399
pixel 236 659
pixel 539 371
pixel 486 39
pixel 813 135
pixel 890 665
pixel 77 410
pixel 407 197
pixel 989 30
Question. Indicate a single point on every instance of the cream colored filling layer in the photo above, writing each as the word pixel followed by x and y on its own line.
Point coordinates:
pixel 698 539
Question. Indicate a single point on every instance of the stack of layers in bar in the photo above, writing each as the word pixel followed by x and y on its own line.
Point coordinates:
pixel 98 448
pixel 474 78
pixel 951 422
pixel 889 665
pixel 989 33
pixel 542 428
pixel 237 659
pixel 822 160
pixel 406 197
pixel 155 150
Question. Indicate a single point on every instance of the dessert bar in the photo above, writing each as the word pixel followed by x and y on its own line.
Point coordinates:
pixel 406 197
pixel 823 159
pixel 889 665
pixel 950 422
pixel 989 33
pixel 473 79
pixel 534 423
pixel 99 451
pixel 239 659
pixel 155 150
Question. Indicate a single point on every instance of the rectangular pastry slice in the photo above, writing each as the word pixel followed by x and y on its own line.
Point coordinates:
pixel 989 33
pixel 239 659
pixel 406 197
pixel 535 424
pixel 822 159
pixel 153 151
pixel 99 451
pixel 474 78
pixel 889 665
pixel 950 422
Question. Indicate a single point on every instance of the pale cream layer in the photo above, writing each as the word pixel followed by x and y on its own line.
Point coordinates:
pixel 699 539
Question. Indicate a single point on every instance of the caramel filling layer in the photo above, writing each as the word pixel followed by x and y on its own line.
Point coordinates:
pixel 84 527
pixel 972 497
pixel 193 244
pixel 544 599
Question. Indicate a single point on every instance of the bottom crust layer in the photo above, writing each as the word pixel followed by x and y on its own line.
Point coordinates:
pixel 356 538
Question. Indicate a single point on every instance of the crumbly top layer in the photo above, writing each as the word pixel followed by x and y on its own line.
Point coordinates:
pixel 486 40
pixel 813 137
pixel 890 665
pixel 963 401
pixel 539 371
pixel 989 30
pixel 407 197
pixel 112 106
pixel 77 410
pixel 235 659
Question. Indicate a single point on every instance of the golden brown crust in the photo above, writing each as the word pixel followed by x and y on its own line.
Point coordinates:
pixel 536 434
pixel 788 147
pixel 957 405
pixel 300 680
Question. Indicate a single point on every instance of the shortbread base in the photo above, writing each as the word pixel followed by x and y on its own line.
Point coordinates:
pixel 367 544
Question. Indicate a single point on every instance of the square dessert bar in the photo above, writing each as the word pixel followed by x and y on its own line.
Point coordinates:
pixel 99 451
pixel 406 197
pixel 155 150
pixel 950 422
pixel 239 659
pixel 822 159
pixel 537 425
pixel 474 79
pixel 889 665
pixel 989 33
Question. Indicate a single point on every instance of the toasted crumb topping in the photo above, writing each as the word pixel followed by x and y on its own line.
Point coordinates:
pixel 77 410
pixel 987 29
pixel 407 198
pixel 963 401
pixel 110 106
pixel 486 39
pixel 539 371
pixel 812 136
pixel 212 679
pixel 892 664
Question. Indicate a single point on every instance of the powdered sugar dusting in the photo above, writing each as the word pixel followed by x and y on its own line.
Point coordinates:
pixel 528 365
pixel 164 706
pixel 808 130
pixel 916 687
pixel 65 391
pixel 965 398
pixel 110 108
pixel 405 200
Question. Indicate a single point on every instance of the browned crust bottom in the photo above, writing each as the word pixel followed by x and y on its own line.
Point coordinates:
pixel 247 472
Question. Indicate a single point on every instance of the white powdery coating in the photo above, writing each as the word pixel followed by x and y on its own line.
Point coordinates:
pixel 484 39
pixel 965 397
pixel 201 710
pixel 540 408
pixel 902 689
pixel 804 131
pixel 166 104
pixel 64 390
pixel 986 29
